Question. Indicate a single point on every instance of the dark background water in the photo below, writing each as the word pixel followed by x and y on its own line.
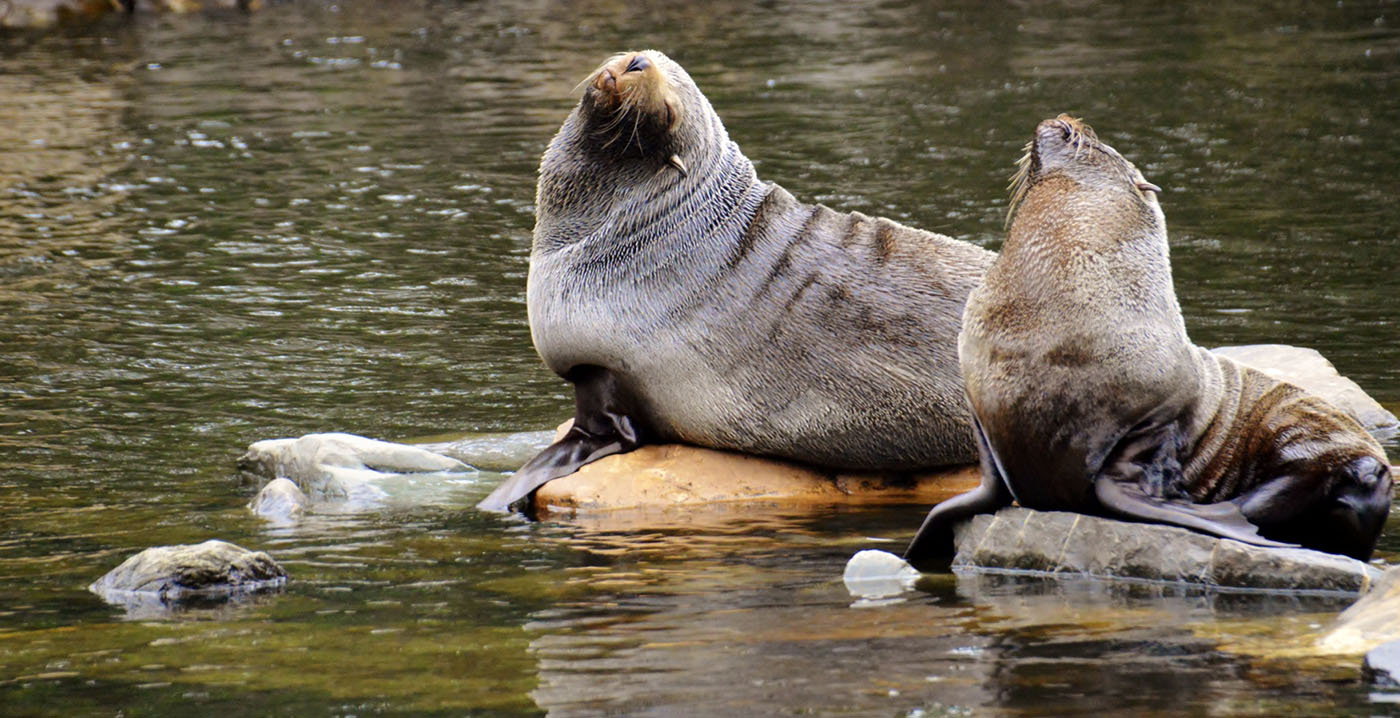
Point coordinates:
pixel 221 228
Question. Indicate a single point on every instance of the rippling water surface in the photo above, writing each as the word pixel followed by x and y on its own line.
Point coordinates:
pixel 216 229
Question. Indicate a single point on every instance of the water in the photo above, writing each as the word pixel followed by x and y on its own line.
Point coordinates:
pixel 222 228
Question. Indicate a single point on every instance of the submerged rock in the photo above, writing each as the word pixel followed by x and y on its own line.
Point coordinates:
pixel 1055 543
pixel 674 475
pixel 166 576
pixel 336 465
pixel 281 501
pixel 1368 623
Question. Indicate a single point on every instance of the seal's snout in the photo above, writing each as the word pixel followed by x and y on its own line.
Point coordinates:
pixel 621 72
pixel 607 81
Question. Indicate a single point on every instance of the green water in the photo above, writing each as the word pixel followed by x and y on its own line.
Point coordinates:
pixel 222 228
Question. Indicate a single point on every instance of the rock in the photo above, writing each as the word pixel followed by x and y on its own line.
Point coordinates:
pixel 165 576
pixel 1308 369
pixel 1058 543
pixel 672 475
pixel 878 574
pixel 280 501
pixel 1370 622
pixel 340 465
pixel 1381 666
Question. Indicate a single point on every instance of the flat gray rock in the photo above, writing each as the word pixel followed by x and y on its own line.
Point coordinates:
pixel 1059 543
pixel 164 576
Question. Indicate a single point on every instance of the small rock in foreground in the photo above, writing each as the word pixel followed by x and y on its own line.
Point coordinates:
pixel 1054 542
pixel 164 576
pixel 878 574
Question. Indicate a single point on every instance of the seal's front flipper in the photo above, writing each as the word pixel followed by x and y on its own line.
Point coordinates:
pixel 602 426
pixel 1223 519
pixel 933 544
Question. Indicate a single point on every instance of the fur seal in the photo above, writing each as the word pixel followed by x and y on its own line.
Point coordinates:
pixel 688 301
pixel 1088 396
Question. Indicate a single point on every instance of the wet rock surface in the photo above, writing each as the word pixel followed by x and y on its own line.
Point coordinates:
pixel 166 576
pixel 1056 543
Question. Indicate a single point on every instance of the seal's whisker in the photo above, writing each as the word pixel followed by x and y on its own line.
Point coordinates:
pixel 1020 182
pixel 636 124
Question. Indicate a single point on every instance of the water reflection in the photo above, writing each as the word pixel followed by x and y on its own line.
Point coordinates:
pixel 316 218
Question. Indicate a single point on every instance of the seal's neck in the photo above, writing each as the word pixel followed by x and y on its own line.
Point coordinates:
pixel 614 210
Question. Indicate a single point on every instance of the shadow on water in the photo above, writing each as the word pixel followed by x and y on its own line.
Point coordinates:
pixel 217 229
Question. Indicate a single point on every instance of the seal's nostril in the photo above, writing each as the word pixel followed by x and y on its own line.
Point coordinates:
pixel 638 63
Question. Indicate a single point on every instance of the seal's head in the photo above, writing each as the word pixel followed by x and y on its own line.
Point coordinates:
pixel 630 105
pixel 641 105
pixel 1067 156
pixel 642 158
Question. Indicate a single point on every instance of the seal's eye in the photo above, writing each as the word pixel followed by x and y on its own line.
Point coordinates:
pixel 638 64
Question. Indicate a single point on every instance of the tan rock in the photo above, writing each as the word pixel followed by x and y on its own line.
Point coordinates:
pixel 672 476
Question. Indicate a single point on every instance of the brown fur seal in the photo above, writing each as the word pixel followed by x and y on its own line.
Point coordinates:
pixel 688 301
pixel 1087 395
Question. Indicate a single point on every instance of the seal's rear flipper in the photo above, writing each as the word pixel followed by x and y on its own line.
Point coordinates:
pixel 1223 519
pixel 602 426
pixel 932 546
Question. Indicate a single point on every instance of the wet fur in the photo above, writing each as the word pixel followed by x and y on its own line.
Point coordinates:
pixel 1090 397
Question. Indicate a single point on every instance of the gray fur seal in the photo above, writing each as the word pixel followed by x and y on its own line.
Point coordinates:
pixel 1088 396
pixel 688 301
